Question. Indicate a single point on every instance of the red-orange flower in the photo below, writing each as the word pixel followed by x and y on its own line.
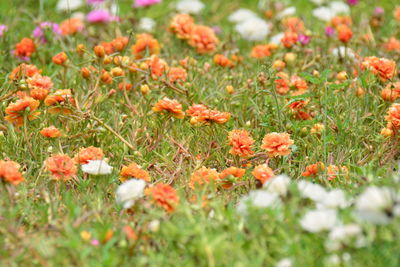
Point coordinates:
pixel 15 111
pixel 203 176
pixel 88 153
pixel 24 70
pixel 9 172
pixel 344 33
pixel 133 171
pixel 182 25
pixel 282 83
pixel 392 45
pixel 262 51
pixel 71 26
pixel 25 48
pixel 223 61
pixel 203 39
pixel 241 143
pixel 230 175
pixel 61 101
pixel 289 39
pixel 313 169
pixel 60 58
pixel 170 106
pixel 385 68
pixel 263 173
pixel 393 116
pixel 157 66
pixel 277 144
pixel 50 132
pixel 164 196
pixel 61 167
pixel 177 75
pixel 145 43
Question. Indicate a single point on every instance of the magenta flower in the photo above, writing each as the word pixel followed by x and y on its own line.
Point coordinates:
pixel 3 29
pixel 352 2
pixel 100 16
pixel 39 31
pixel 329 31
pixel 304 39
pixel 143 3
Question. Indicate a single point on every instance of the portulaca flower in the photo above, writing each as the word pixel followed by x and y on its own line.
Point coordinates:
pixel 259 199
pixel 190 6
pixel 147 24
pixel 344 235
pixel 327 13
pixel 241 15
pixel 284 263
pixel 334 199
pixel 254 29
pixel 128 192
pixel 66 5
pixel 319 220
pixel 278 184
pixel 339 7
pixel 276 39
pixel 376 205
pixel 286 12
pixel 312 191
pixel 97 167
pixel 342 52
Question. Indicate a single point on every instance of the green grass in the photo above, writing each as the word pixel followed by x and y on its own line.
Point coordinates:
pixel 41 222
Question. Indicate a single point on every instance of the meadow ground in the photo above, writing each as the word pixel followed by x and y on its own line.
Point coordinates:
pixel 227 144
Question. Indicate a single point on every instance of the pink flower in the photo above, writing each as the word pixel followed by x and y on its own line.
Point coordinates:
pixel 39 31
pixel 94 2
pixel 3 29
pixel 100 16
pixel 143 3
pixel 304 39
pixel 95 242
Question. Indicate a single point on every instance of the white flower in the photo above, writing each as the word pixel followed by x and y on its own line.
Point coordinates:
pixel 147 24
pixel 241 15
pixel 339 7
pixel 278 184
pixel 66 5
pixel 374 204
pixel 334 199
pixel 286 12
pixel 319 220
pixel 78 15
pixel 276 39
pixel 342 52
pixel 284 263
pixel 96 167
pixel 343 235
pixel 318 2
pixel 312 191
pixel 259 199
pixel 189 6
pixel 254 29
pixel 323 13
pixel 130 191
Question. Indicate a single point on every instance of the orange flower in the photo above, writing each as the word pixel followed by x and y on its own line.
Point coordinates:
pixel 157 67
pixel 60 58
pixel 241 143
pixel 289 39
pixel 182 25
pixel 293 24
pixel 202 114
pixel 262 51
pixel 9 172
pixel 282 83
pixel 277 144
pixel 60 100
pixel 396 13
pixel 133 171
pixel 313 169
pixel 385 68
pixel 120 43
pixel 229 175
pixel 50 132
pixel 164 196
pixel 39 86
pixel 203 39
pixel 71 26
pixel 24 70
pixel 170 106
pixel 392 45
pixel 344 33
pixel 61 167
pixel 391 92
pixel 298 83
pixel 340 20
pixel 263 173
pixel 145 43
pixel 25 48
pixel 88 153
pixel 125 86
pixel 333 171
pixel 393 116
pixel 223 61
pixel 15 111
pixel 203 176
pixel 177 75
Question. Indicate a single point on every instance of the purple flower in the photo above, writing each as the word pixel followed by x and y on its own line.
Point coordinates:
pixel 304 39
pixel 100 16
pixel 352 2
pixel 38 32
pixel 143 3
pixel 3 29
pixel 329 31
pixel 379 11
